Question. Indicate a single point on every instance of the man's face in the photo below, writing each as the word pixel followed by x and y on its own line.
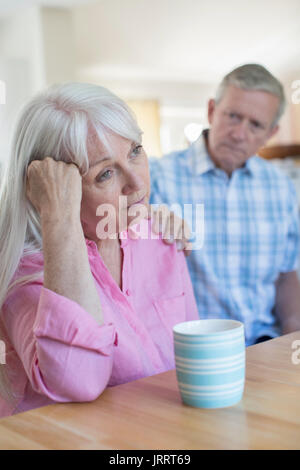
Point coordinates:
pixel 240 124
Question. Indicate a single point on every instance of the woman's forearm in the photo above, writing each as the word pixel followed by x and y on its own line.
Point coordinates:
pixel 66 266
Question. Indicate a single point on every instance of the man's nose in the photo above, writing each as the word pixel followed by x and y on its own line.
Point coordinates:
pixel 240 131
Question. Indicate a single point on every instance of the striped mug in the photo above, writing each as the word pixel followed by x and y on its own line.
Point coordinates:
pixel 210 362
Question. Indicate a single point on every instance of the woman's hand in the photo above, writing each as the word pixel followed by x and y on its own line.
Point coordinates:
pixel 54 188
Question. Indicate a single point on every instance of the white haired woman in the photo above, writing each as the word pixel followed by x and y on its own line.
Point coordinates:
pixel 83 305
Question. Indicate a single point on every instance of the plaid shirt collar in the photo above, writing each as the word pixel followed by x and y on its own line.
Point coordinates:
pixel 200 161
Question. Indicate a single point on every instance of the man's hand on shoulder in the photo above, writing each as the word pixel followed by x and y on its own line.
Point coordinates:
pixel 172 228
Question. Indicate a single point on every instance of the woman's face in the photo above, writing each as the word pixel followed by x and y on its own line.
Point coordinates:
pixel 113 186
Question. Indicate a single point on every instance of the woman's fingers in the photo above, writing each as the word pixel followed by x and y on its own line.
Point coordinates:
pixel 54 186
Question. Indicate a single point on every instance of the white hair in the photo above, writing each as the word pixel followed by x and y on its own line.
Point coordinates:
pixel 55 123
pixel 254 77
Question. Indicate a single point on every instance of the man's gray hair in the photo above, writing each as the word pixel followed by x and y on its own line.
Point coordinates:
pixel 254 77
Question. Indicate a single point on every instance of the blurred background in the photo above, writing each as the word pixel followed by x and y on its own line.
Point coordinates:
pixel 164 57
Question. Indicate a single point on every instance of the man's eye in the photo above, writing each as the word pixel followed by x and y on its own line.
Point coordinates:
pixel 256 124
pixel 104 176
pixel 137 150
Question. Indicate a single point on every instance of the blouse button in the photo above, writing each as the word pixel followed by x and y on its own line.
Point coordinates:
pixel 128 292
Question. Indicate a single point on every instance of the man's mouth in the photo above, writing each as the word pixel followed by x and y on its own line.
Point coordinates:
pixel 233 149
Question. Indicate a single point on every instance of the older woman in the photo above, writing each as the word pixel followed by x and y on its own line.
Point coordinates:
pixel 84 305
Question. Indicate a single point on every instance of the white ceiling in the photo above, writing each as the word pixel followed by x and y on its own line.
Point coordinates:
pixel 8 7
pixel 180 40
pixel 187 39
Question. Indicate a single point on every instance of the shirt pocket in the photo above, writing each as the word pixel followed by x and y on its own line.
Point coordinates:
pixel 171 311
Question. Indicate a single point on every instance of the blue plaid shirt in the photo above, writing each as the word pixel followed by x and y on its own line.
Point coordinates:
pixel 251 233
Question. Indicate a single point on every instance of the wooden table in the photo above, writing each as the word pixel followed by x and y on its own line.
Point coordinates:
pixel 149 414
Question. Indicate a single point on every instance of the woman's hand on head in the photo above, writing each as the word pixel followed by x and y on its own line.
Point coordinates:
pixel 54 188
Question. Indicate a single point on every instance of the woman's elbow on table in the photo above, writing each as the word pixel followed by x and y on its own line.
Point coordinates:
pixel 80 376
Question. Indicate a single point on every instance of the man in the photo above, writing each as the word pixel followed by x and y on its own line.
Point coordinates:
pixel 246 269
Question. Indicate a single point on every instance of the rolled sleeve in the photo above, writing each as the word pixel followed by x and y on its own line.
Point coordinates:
pixel 67 356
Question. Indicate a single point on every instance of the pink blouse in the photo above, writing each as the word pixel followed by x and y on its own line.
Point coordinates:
pixel 56 352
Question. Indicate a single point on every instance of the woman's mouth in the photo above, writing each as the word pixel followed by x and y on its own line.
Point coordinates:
pixel 141 201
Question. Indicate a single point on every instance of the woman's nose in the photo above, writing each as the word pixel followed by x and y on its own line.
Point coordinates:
pixel 133 183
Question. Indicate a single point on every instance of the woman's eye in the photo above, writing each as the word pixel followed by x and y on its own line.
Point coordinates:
pixel 137 150
pixel 104 176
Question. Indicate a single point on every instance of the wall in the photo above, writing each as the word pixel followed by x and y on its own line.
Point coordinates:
pixel 295 106
pixel 40 46
pixel 289 130
pixel 58 45
pixel 21 67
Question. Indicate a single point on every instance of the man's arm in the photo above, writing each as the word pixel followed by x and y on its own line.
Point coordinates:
pixel 287 304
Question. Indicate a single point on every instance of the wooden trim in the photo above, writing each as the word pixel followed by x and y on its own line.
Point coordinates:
pixel 280 151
